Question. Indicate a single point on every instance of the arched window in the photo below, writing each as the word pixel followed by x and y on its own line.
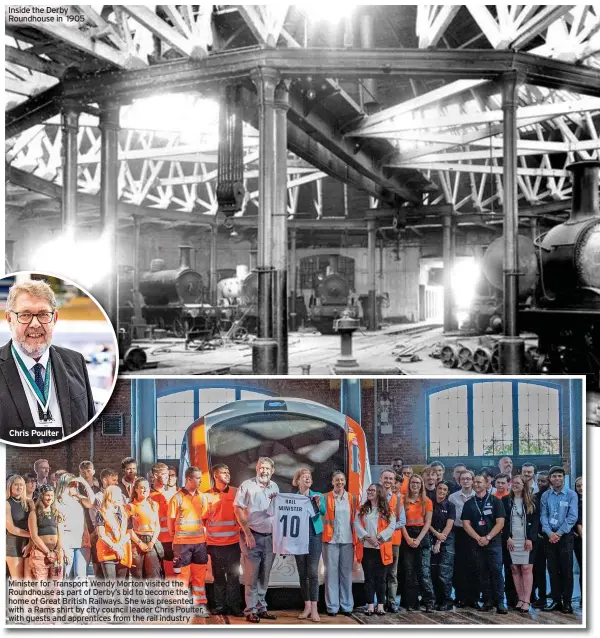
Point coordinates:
pixel 495 418
pixel 176 411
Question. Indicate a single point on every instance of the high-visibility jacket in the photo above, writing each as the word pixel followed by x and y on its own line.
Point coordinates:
pixel 330 516
pixel 188 512
pixel 222 527
pixel 395 505
pixel 161 499
pixel 144 516
pixel 404 486
pixel 387 557
pixel 105 551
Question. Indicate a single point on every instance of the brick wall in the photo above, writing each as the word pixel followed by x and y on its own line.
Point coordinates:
pixel 406 415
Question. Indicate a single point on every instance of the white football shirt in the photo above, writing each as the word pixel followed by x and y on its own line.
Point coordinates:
pixel 292 514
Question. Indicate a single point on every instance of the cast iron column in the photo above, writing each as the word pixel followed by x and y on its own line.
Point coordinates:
pixel 137 307
pixel 70 128
pixel 143 423
pixel 512 349
pixel 367 41
pixel 264 348
pixel 280 240
pixel 448 258
pixel 109 201
pixel 350 399
pixel 372 274
pixel 293 313
pixel 213 266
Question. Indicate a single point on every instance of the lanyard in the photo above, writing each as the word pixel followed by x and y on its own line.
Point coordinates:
pixel 42 399
pixel 481 509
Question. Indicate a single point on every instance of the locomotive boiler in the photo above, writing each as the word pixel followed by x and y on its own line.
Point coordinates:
pixel 562 279
pixel 329 300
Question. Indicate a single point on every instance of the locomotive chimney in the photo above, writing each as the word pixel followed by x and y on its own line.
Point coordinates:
pixel 185 253
pixel 585 190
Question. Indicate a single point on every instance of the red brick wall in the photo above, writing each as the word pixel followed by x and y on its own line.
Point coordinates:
pixel 108 450
pixel 406 414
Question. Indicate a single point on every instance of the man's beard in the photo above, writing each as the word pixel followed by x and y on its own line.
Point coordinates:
pixel 35 352
pixel 264 480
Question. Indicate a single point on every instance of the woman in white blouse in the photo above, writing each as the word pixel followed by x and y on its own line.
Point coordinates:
pixel 374 525
pixel 339 539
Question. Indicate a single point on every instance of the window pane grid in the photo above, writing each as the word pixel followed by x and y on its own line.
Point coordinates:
pixel 448 422
pixel 492 419
pixel 539 419
pixel 175 413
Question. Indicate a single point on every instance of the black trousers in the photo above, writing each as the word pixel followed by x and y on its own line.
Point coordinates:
pixel 465 585
pixel 308 567
pixel 146 565
pixel 560 566
pixel 417 570
pixel 539 571
pixel 374 571
pixel 488 570
pixel 578 548
pixel 225 561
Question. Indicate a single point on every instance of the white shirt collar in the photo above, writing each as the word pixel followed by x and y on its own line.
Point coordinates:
pixel 30 361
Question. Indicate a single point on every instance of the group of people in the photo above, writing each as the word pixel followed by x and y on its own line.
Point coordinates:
pixel 417 536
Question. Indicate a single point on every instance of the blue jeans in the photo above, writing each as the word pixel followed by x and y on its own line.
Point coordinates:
pixel 442 568
pixel 339 560
pixel 257 563
pixel 488 567
pixel 76 563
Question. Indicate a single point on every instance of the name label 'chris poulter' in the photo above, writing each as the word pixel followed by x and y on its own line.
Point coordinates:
pixel 36 432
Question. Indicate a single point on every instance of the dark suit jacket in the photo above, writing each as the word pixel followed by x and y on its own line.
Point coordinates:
pixel 532 521
pixel 72 385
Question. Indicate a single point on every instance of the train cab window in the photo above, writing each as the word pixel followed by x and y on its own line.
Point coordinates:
pixel 291 440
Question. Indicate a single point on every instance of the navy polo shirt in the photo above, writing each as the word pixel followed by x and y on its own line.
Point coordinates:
pixel 482 514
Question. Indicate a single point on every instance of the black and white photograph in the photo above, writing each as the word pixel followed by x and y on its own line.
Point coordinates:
pixel 398 196
pixel 274 189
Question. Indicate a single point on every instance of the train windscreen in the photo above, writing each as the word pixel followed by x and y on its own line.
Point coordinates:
pixel 292 441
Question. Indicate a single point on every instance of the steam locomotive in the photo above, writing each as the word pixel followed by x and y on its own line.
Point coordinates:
pixel 173 299
pixel 330 298
pixel 561 276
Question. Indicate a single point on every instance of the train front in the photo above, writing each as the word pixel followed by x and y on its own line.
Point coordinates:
pixel 294 433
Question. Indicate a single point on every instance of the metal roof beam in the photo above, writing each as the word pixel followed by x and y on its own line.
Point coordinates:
pixel 341 63
pixel 33 62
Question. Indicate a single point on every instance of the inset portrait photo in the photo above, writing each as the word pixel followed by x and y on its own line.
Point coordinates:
pixel 58 359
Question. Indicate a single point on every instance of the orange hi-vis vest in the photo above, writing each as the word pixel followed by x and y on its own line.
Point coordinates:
pixel 159 497
pixel 188 512
pixel 330 516
pixel 105 551
pixel 144 516
pixel 387 556
pixel 222 527
pixel 499 494
pixel 395 505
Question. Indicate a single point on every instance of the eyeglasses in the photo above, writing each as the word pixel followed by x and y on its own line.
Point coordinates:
pixel 27 317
